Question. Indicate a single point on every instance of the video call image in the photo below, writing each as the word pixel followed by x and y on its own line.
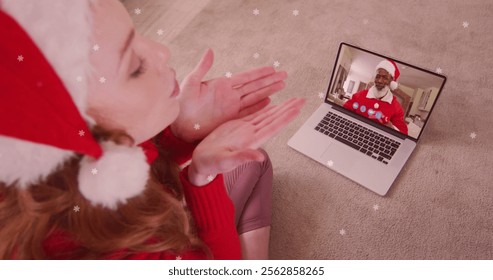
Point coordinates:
pixel 388 92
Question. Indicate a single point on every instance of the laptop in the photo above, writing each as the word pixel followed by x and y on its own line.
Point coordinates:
pixel 368 125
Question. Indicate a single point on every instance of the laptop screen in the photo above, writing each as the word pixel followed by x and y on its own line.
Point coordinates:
pixel 387 91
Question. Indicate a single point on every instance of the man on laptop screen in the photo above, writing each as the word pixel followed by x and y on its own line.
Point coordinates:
pixel 368 125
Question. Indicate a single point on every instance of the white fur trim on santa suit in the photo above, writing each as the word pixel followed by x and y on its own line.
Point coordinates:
pixel 121 173
pixel 384 94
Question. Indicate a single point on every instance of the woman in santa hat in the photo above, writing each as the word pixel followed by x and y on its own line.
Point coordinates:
pixel 94 128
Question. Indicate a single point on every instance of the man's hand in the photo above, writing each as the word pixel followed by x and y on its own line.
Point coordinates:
pixel 204 105
pixel 236 142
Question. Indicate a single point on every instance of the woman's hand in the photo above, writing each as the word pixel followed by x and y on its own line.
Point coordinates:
pixel 206 105
pixel 236 142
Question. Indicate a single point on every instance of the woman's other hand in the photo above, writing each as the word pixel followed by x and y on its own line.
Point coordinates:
pixel 236 142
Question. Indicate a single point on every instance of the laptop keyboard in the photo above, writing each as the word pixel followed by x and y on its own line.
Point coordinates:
pixel 367 141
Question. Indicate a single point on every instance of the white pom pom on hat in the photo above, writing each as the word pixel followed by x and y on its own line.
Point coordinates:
pixel 43 76
pixel 121 173
pixel 390 66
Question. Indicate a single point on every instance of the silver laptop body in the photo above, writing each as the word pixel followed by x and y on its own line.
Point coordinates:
pixel 324 139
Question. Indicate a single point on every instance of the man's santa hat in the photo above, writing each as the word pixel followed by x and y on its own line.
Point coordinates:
pixel 390 66
pixel 44 68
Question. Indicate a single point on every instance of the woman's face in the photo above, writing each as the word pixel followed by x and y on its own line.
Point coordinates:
pixel 132 88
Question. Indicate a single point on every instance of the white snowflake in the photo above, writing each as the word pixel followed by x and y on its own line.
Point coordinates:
pixel 321 95
pixel 473 135
pixel 330 163
pixel 79 78
pixel 256 12
pixel 81 133
pixel 228 74
pixel 178 258
pixel 102 80
pixel 20 58
pixel 465 24
pixel 95 47
pixel 376 207
pixel 365 21
pixel 342 232
pixel 196 126
pixel 256 55
pixel 137 11
pixel 277 64
pixel 210 178
pixel 94 171
pixel 296 13
pixel 439 70
pixel 76 208
pixel 160 32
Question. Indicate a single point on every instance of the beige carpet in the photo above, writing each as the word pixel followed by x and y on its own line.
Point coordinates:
pixel 441 205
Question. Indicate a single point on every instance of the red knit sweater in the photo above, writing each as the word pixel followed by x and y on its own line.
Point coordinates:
pixel 210 206
pixel 389 112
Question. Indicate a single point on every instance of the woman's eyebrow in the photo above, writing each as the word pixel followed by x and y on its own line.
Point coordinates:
pixel 125 46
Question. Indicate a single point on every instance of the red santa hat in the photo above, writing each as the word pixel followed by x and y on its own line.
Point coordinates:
pixel 43 101
pixel 390 66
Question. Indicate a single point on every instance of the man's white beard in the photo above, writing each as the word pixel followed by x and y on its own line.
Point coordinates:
pixel 380 93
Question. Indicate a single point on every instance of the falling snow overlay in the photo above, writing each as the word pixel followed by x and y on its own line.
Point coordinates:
pixel 330 163
pixel 342 232
pixel 465 24
pixel 376 207
pixel 210 178
pixel 256 55
pixel 102 80
pixel 473 135
pixel 95 47
pixel 228 74
pixel 76 208
pixel 94 171
pixel 321 95
pixel 296 13
pixel 178 258
pixel 160 32
pixel 277 64
pixel 196 126
pixel 81 133
pixel 439 70
pixel 137 11
pixel 20 58
pixel 79 79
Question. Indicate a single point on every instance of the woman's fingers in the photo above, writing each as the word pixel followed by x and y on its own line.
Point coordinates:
pixel 255 85
pixel 254 108
pixel 273 110
pixel 251 75
pixel 204 65
pixel 251 99
pixel 272 128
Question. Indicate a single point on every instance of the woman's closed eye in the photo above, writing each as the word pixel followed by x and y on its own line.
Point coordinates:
pixel 140 69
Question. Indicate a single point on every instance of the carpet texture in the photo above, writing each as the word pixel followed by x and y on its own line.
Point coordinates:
pixel 441 205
